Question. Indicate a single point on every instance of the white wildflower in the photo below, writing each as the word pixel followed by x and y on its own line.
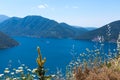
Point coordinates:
pixel 33 75
pixel 20 68
pixel 34 70
pixel 29 70
pixel 76 63
pixel 52 75
pixel 23 77
pixel 1 75
pixel 6 71
pixel 14 78
pixel 12 73
pixel 18 71
pixel 7 78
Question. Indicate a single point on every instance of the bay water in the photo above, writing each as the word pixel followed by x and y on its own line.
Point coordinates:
pixel 57 52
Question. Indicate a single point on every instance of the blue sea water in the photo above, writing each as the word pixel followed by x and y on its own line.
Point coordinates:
pixel 57 52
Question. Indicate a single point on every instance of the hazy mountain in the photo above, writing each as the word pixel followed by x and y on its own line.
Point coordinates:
pixel 103 31
pixel 90 28
pixel 86 28
pixel 3 18
pixel 77 30
pixel 37 26
pixel 6 42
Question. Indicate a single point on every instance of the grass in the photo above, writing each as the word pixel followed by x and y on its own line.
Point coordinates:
pixel 98 66
pixel 109 71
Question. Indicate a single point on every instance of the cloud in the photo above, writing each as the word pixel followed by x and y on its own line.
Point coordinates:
pixel 42 6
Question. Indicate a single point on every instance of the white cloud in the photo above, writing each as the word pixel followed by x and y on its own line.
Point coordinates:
pixel 42 6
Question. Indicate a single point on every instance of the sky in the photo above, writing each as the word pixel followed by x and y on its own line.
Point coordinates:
pixel 85 13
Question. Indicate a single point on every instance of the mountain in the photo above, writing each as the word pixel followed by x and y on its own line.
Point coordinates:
pixel 90 28
pixel 6 42
pixel 113 28
pixel 81 28
pixel 37 26
pixel 77 30
pixel 86 28
pixel 3 18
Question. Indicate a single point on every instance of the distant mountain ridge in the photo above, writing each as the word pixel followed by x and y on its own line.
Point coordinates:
pixel 103 31
pixel 37 26
pixel 3 18
pixel 90 28
pixel 87 28
pixel 6 41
